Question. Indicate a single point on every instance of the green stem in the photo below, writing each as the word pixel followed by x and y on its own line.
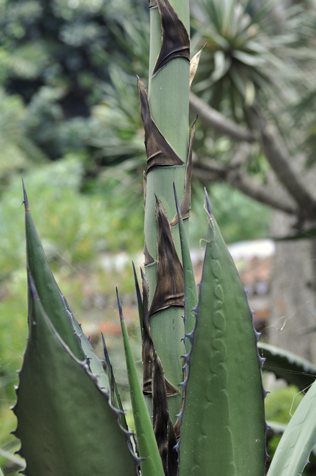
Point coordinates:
pixel 168 92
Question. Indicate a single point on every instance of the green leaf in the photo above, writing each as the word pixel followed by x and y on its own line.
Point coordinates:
pixel 139 301
pixel 66 423
pixel 223 424
pixel 46 285
pixel 95 364
pixel 114 395
pixel 148 449
pixel 299 437
pixel 190 294
pixel 55 304
pixel 291 367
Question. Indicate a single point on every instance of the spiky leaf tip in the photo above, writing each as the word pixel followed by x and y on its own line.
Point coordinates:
pixel 151 464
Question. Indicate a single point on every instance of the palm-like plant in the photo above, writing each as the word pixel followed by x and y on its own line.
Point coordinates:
pixel 244 61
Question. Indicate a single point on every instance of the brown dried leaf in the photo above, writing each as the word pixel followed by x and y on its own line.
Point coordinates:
pixel 163 427
pixel 185 205
pixel 147 346
pixel 145 187
pixel 194 63
pixel 175 38
pixel 170 279
pixel 159 151
pixel 152 3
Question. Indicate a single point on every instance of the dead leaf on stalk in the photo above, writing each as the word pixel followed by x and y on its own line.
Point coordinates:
pixel 175 38
pixel 159 152
pixel 170 279
pixel 185 205
pixel 162 424
pixel 152 3
pixel 148 346
pixel 144 187
pixel 194 63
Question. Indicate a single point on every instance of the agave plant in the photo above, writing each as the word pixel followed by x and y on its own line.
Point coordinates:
pixel 201 407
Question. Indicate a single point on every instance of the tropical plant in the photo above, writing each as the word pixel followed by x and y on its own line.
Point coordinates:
pixel 201 408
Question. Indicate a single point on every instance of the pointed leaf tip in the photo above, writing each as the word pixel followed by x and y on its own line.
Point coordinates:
pixel 119 306
pixel 176 200
pixel 208 205
pixel 25 199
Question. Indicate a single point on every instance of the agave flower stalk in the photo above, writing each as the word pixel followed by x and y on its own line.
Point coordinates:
pixel 165 113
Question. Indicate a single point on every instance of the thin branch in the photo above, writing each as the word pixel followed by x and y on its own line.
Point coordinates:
pixel 214 119
pixel 277 157
pixel 280 163
pixel 211 170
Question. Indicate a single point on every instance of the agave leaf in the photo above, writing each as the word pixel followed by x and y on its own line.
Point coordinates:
pixel 298 439
pixel 94 363
pixel 223 424
pixel 114 393
pixel 190 294
pixel 55 304
pixel 151 464
pixel 159 151
pixel 139 301
pixel 46 285
pixel 291 367
pixel 66 423
pixel 175 38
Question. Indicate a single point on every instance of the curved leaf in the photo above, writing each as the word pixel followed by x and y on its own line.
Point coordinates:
pixel 55 304
pixel 298 439
pixel 66 423
pixel 284 364
pixel 46 285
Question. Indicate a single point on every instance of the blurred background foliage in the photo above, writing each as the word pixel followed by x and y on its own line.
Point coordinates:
pixel 70 125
